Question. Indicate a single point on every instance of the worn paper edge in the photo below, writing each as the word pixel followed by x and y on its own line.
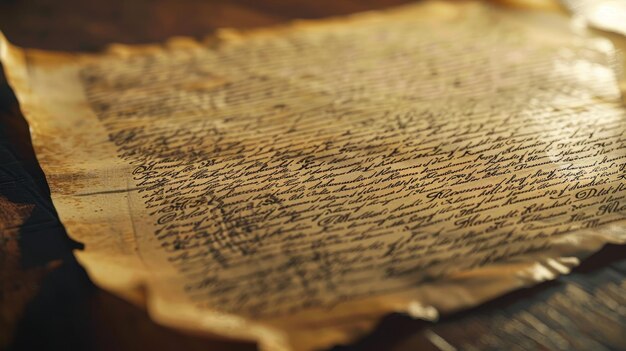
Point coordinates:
pixel 582 243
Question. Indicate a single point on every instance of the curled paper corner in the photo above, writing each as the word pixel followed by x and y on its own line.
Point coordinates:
pixel 419 311
pixel 608 15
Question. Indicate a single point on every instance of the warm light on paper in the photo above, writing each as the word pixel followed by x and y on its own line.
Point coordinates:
pixel 293 185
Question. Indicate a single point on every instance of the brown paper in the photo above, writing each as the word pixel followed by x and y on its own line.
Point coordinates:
pixel 292 185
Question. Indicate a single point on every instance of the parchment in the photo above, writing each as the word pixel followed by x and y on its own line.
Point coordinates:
pixel 608 15
pixel 293 185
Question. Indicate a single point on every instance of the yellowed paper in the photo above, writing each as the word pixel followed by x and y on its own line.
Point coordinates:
pixel 291 186
pixel 608 15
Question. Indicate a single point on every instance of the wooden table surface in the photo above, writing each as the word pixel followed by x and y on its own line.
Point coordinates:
pixel 48 303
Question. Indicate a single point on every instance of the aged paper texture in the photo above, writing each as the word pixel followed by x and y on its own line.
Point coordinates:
pixel 293 185
pixel 608 15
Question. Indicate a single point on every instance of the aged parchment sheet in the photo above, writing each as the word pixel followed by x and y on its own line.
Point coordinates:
pixel 293 185
pixel 608 15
